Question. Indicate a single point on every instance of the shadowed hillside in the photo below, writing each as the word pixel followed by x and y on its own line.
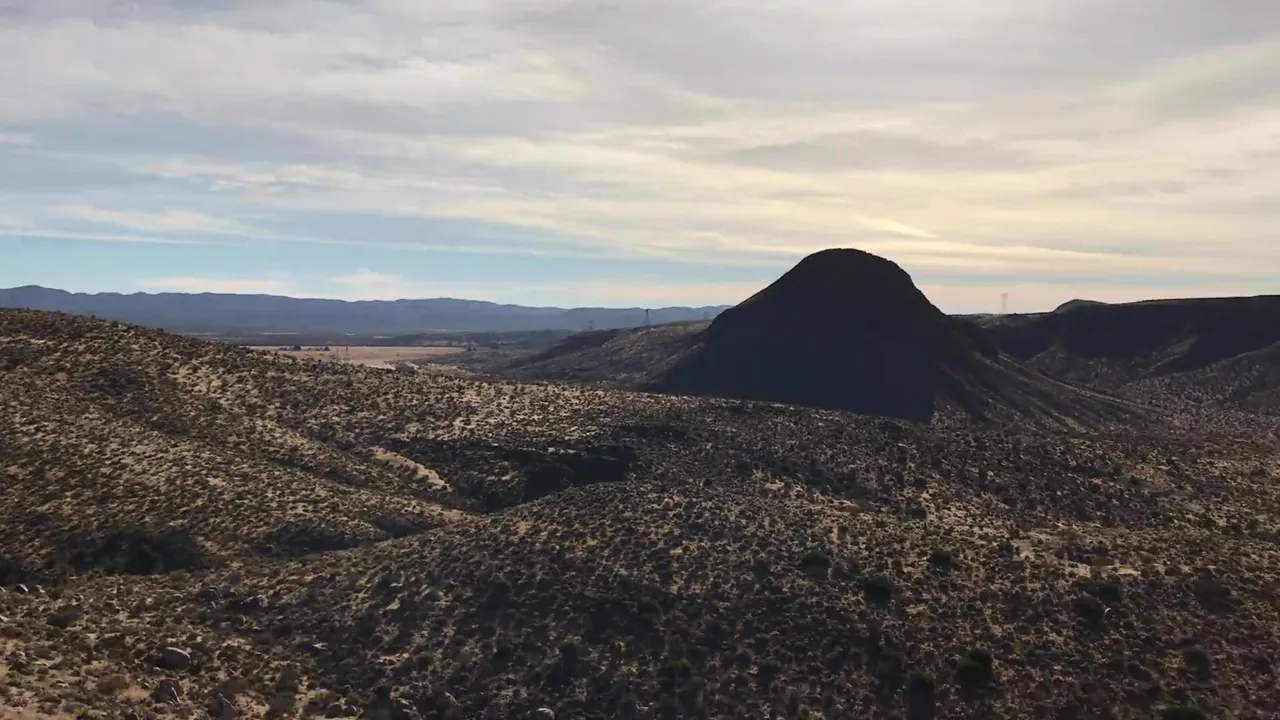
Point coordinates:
pixel 1188 353
pixel 612 357
pixel 843 330
pixel 232 534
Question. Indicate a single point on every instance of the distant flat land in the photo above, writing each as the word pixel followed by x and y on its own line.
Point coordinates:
pixel 383 357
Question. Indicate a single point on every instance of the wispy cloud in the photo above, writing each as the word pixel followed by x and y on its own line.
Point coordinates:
pixel 365 284
pixel 17 139
pixel 13 222
pixel 168 220
pixel 52 236
pixel 219 285
pixel 895 227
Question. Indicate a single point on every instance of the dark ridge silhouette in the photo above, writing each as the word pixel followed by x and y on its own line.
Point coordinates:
pixel 847 330
pixel 1072 304
pixel 1145 339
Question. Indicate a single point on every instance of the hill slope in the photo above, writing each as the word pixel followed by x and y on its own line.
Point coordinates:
pixel 602 553
pixel 842 330
pixel 231 314
pixel 618 358
pixel 1177 353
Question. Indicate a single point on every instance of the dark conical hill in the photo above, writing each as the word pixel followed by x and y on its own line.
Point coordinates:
pixel 848 330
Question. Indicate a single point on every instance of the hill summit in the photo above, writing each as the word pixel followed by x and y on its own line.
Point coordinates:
pixel 848 330
pixel 850 290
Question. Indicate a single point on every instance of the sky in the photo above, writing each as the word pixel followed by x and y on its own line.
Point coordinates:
pixel 640 152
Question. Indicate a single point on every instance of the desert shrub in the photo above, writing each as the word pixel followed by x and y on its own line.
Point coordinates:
pixel 648 607
pixel 767 672
pixel 920 680
pixel 112 684
pixel 1212 593
pixel 976 668
pixel 570 654
pixel 921 691
pixel 570 650
pixel 815 561
pixel 503 651
pixel 941 558
pixel 1090 609
pixel 878 589
pixel 677 672
pixel 1110 592
pixel 139 553
pixel 761 565
pixel 499 592
pixel 1197 661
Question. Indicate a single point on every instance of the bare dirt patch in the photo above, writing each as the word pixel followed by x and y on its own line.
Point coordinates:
pixel 371 356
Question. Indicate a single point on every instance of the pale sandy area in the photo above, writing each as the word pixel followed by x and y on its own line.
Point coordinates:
pixel 380 356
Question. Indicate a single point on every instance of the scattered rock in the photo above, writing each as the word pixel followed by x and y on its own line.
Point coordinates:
pixel 168 692
pixel 545 714
pixel 172 658
pixel 18 661
pixel 402 709
pixel 222 708
pixel 64 618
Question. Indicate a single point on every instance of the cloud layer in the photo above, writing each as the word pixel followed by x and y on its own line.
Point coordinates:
pixel 1126 143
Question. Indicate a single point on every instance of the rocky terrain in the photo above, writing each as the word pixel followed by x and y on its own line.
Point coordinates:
pixel 198 530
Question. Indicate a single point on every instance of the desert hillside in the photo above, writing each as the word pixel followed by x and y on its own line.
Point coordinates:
pixel 195 530
pixel 1204 361
pixel 610 358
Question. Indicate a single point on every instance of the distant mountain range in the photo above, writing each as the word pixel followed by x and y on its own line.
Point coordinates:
pixel 229 314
